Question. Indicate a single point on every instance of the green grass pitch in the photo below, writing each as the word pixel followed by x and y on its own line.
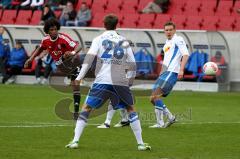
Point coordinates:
pixel 208 128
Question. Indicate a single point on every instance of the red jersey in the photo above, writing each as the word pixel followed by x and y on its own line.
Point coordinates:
pixel 58 47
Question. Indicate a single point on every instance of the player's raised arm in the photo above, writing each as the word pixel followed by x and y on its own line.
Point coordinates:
pixel 35 54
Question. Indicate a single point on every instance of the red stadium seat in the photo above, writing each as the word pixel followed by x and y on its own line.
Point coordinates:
pixel 208 8
pixel 210 23
pixel 224 8
pixel 177 7
pixel 160 20
pixel 227 23
pixel 97 20
pixel 130 21
pixel 146 20
pixel 237 24
pixel 36 18
pixel 129 6
pixel 23 17
pixel 98 8
pixel 180 21
pixel 113 6
pixel 194 22
pixel 9 17
pixel 58 13
pixel 192 7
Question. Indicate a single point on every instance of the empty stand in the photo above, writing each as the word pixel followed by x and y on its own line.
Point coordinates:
pixel 160 20
pixel 113 6
pixel 129 6
pixel 210 23
pixel 98 7
pixel 177 7
pixel 9 17
pixel 130 21
pixel 36 18
pixel 192 7
pixel 208 8
pixel 23 17
pixel 97 20
pixel 146 20
pixel 194 22
pixel 224 8
pixel 227 23
pixel 180 21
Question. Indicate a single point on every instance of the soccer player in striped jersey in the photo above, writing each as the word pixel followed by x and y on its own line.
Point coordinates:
pixel 65 53
pixel 175 57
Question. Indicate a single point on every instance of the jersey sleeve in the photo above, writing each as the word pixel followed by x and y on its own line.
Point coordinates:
pixel 43 45
pixel 94 47
pixel 182 46
pixel 71 44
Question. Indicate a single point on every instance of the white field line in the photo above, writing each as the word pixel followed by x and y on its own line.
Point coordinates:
pixel 42 125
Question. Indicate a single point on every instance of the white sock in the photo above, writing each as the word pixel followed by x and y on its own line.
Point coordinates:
pixel 159 116
pixel 110 114
pixel 137 130
pixel 80 125
pixel 168 113
pixel 124 115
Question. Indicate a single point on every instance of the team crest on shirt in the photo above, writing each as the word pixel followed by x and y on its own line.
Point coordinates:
pixel 59 47
pixel 166 49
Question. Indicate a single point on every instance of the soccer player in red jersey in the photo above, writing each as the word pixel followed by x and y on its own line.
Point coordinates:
pixel 65 53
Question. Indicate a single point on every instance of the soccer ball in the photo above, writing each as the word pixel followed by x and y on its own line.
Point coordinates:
pixel 210 68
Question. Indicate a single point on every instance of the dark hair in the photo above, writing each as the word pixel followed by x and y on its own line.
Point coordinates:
pixel 51 23
pixel 110 22
pixel 47 5
pixel 170 23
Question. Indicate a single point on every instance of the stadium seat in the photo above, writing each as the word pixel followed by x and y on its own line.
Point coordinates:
pixel 23 17
pixel 237 24
pixel 177 7
pixel 146 21
pixel 98 7
pixel 234 11
pixel 194 22
pixel 36 18
pixel 227 23
pixel 130 20
pixel 58 13
pixel 113 6
pixel 208 8
pixel 192 7
pixel 97 20
pixel 210 23
pixel 129 6
pixel 180 21
pixel 160 20
pixel 224 8
pixel 9 17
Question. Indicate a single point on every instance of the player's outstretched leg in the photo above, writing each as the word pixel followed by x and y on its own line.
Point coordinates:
pixel 124 119
pixel 80 125
pixel 137 130
pixel 109 117
pixel 76 99
pixel 159 114
pixel 170 116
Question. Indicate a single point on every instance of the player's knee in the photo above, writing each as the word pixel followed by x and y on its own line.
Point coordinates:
pixel 130 109
pixel 86 108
